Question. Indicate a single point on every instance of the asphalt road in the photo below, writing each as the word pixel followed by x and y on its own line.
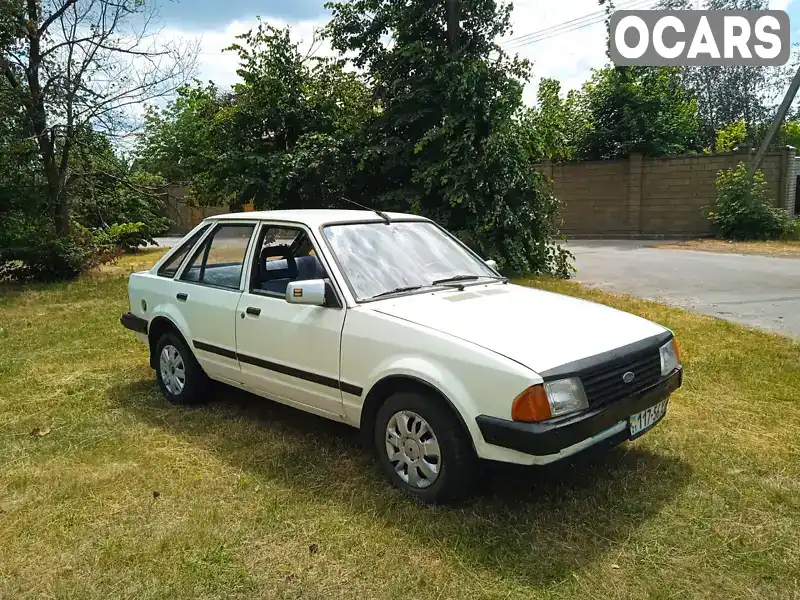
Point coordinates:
pixel 756 291
pixel 167 241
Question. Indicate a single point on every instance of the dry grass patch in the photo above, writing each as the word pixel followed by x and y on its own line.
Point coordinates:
pixel 128 497
pixel 129 263
pixel 786 249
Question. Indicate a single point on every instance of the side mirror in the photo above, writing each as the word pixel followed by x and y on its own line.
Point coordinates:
pixel 311 292
pixel 491 264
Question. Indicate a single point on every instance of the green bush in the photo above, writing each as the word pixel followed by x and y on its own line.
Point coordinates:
pixel 744 210
pixel 29 249
pixel 127 237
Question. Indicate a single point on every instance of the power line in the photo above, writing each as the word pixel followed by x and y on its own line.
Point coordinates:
pixel 557 30
pixel 600 14
pixel 571 25
pixel 558 25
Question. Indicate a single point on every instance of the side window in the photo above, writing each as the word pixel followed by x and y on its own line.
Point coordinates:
pixel 173 263
pixel 218 261
pixel 285 254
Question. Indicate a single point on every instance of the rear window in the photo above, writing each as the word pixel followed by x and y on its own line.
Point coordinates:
pixel 169 268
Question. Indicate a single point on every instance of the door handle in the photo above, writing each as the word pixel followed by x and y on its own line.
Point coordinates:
pixel 251 310
pixel 182 297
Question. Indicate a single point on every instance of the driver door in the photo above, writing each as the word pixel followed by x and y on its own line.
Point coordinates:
pixel 288 352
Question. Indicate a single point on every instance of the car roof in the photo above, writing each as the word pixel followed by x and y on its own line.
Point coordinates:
pixel 314 217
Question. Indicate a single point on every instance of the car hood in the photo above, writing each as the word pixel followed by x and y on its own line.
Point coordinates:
pixel 538 329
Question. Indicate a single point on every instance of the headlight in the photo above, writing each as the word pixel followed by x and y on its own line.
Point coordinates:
pixel 552 399
pixel 566 396
pixel 670 358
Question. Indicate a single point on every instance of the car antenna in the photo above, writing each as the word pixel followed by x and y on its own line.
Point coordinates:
pixel 381 214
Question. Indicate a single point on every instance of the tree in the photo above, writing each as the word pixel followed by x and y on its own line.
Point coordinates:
pixel 20 183
pixel 76 65
pixel 638 109
pixel 182 142
pixel 726 95
pixel 790 134
pixel 444 140
pixel 555 126
pixel 279 139
pixel 108 192
pixel 294 121
pixel 426 124
pixel 731 136
pixel 736 134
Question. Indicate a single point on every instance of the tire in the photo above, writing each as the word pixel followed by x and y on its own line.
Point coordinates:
pixel 172 353
pixel 407 423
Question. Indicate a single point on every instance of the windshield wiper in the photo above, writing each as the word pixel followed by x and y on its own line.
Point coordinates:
pixel 460 278
pixel 410 288
pixel 455 280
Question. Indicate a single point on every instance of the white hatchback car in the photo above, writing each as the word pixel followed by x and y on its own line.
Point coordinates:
pixel 390 324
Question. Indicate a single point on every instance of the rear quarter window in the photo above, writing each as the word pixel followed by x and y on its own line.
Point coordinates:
pixel 171 266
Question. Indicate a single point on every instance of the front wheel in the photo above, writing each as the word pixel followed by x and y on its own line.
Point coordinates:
pixel 180 377
pixel 423 448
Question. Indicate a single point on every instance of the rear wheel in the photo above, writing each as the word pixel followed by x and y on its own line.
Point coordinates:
pixel 180 377
pixel 423 448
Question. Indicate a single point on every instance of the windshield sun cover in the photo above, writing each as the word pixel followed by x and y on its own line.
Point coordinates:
pixel 379 259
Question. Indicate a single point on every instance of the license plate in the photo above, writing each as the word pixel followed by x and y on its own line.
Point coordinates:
pixel 642 421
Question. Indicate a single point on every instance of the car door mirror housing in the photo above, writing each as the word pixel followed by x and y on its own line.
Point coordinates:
pixel 310 292
pixel 491 264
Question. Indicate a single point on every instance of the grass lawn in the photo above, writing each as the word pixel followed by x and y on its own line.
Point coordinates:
pixel 785 249
pixel 123 496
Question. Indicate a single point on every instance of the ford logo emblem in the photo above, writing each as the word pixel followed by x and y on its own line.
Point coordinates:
pixel 628 377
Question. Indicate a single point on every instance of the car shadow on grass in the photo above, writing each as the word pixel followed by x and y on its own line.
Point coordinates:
pixel 538 525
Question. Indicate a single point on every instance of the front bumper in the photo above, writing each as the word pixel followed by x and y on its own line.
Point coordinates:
pixel 551 437
pixel 134 323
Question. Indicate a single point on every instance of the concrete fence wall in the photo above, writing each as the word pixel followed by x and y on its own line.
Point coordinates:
pixel 655 196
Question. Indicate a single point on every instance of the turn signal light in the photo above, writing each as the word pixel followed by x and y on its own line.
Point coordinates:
pixel 531 405
pixel 677 351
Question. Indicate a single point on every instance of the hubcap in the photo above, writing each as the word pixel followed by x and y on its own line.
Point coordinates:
pixel 173 372
pixel 413 449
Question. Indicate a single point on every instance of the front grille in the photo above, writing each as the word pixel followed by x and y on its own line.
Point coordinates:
pixel 604 383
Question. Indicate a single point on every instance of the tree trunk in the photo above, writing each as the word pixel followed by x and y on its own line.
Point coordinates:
pixel 57 201
pixel 62 199
pixel 45 137
pixel 452 25
pixel 62 215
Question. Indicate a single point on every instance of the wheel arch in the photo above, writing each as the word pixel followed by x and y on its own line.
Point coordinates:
pixel 391 384
pixel 158 327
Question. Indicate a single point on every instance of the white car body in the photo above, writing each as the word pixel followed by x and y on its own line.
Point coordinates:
pixel 479 346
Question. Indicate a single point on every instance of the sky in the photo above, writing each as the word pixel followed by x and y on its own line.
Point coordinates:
pixel 568 56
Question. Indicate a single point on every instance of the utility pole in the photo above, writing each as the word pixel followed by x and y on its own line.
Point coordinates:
pixel 452 25
pixel 783 109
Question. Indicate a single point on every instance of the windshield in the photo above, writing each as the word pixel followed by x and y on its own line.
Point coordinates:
pixel 379 258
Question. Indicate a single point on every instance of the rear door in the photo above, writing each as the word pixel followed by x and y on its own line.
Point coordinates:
pixel 207 293
pixel 289 352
